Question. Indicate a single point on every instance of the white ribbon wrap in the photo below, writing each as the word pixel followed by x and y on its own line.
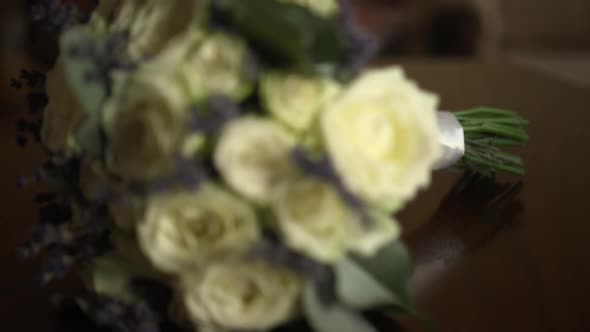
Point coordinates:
pixel 452 140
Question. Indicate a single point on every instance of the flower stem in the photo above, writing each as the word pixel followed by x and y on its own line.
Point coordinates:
pixel 494 165
pixel 499 130
pixel 485 111
pixel 506 121
pixel 486 130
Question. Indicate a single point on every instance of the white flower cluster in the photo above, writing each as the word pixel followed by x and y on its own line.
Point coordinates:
pixel 376 136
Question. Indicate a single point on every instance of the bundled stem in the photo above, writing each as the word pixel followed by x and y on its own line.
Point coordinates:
pixel 486 131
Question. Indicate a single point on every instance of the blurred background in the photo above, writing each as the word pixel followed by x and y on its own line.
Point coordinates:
pixel 548 35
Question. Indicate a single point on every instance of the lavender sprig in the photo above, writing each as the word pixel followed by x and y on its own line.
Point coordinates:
pixel 271 249
pixel 210 117
pixel 187 173
pixel 361 46
pixel 324 169
pixel 118 315
pixel 57 14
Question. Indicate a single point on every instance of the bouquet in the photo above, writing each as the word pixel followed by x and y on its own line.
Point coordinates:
pixel 230 165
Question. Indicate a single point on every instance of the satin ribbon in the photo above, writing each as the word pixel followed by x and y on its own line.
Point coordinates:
pixel 452 140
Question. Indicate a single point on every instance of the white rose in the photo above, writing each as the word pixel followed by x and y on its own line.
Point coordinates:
pixel 253 156
pixel 241 295
pixel 320 7
pixel 144 123
pixel 157 22
pixel 63 112
pixel 219 66
pixel 152 24
pixel 382 136
pixel 315 221
pixel 296 99
pixel 184 229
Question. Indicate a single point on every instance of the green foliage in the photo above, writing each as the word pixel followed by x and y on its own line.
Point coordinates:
pixel 363 284
pixel 286 34
pixel 110 275
pixel 333 317
pixel 381 280
pixel 90 94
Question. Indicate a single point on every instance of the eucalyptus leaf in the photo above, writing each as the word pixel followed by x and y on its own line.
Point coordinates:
pixel 110 275
pixel 90 93
pixel 113 274
pixel 333 317
pixel 357 288
pixel 379 281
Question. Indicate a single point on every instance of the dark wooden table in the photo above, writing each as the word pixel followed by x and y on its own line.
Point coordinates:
pixel 524 268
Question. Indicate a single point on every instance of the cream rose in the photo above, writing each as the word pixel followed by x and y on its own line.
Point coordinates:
pixel 382 136
pixel 253 156
pixel 144 123
pixel 241 295
pixel 63 112
pixel 152 24
pixel 315 221
pixel 295 99
pixel 320 7
pixel 218 66
pixel 184 229
pixel 157 22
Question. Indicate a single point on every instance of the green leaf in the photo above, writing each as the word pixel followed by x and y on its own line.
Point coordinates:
pixel 286 34
pixel 90 94
pixel 332 318
pixel 381 280
pixel 110 275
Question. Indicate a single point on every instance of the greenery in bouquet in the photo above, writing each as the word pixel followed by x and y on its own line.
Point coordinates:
pixel 236 156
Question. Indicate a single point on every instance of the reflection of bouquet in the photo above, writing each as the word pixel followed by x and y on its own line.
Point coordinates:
pixel 227 152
